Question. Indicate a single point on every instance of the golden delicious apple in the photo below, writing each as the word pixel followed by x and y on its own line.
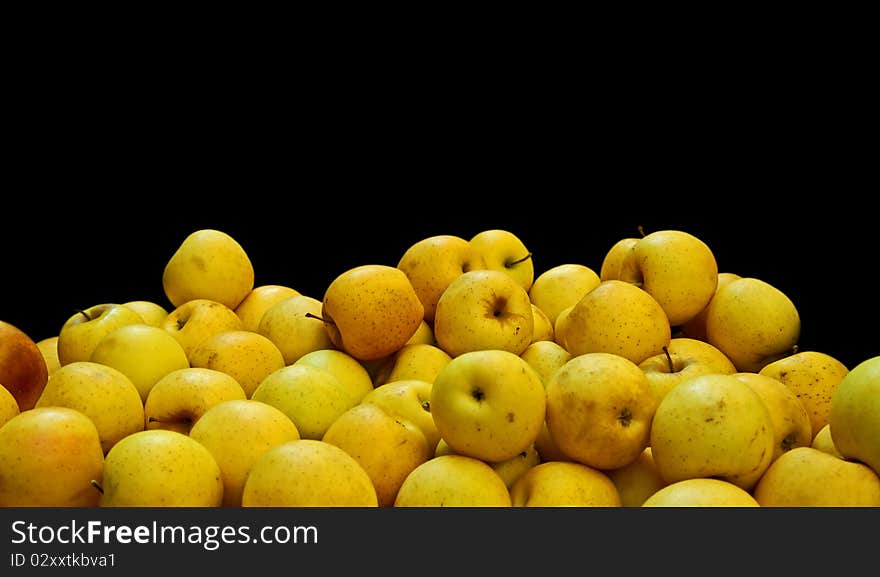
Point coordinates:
pixel 599 410
pixel 294 325
pixel 208 264
pixel 696 327
pixel 49 349
pixel 453 481
pixel 616 262
pixel 413 362
pixel 620 318
pixel 310 396
pixel 153 314
pixel 488 404
pixel 638 480
pixel 481 310
pixel 434 262
pixel 385 445
pixel 371 311
pixel 813 377
pixel 682 359
pixel 180 398
pixel 823 442
pixel 246 356
pixel 808 477
pixel 308 473
pixel 350 373
pixel 561 287
pixel 543 328
pixel 504 251
pixel 545 357
pixel 791 423
pixel 102 393
pixel 48 458
pixel 712 426
pixel 251 309
pixel 753 323
pixel 160 468
pixel 854 418
pixel 237 433
pixel 141 352
pixel 560 327
pixel 81 332
pixel 23 370
pixel 8 405
pixel 547 448
pixel 509 470
pixel 424 335
pixel 409 399
pixel 195 320
pixel 561 484
pixel 701 492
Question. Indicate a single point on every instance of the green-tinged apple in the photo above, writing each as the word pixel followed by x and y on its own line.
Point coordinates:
pixel 808 477
pixel 823 442
pixel 562 286
pixel 208 264
pixel 246 356
pixel 813 377
pixel 237 433
pixel 308 473
pixel 510 470
pixel 504 251
pixel 701 492
pixel 561 484
pixel 195 320
pixel 294 325
pixel 488 404
pixel 350 373
pixel 410 400
pixel 482 310
pixel 143 353
pixel 160 468
pixel 83 330
pixel 638 480
pixel 180 398
pixel 371 311
pixel 23 369
pixel 545 357
pixel 619 318
pixel 453 481
pixel 413 362
pixel 682 359
pixel 753 323
pixel 696 327
pixel 49 348
pixel 385 445
pixel 251 309
pixel 599 410
pixel 48 458
pixel 712 426
pixel 434 262
pixel 153 313
pixel 854 419
pixel 543 328
pixel 616 262
pixel 8 405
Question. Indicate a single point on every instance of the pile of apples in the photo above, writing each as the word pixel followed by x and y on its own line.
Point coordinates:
pixel 457 377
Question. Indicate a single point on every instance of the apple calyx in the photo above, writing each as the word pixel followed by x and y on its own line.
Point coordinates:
pixel 625 417
pixel 513 263
pixel 97 486
pixel 426 406
pixel 478 394
pixel 788 443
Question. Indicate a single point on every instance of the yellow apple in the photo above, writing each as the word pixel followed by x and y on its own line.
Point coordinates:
pixel 237 433
pixel 294 325
pixel 142 352
pixel 195 320
pixel 701 492
pixel 424 335
pixel 813 377
pixel 209 264
pixel 619 318
pixel 251 309
pixel 504 251
pixel 488 404
pixel 545 357
pixel 308 473
pixel 246 356
pixel 153 314
pixel 753 323
pixel 8 405
pixel 543 328
pixel 683 358
pixel 23 370
pixel 510 470
pixel 453 481
pixel 696 327
pixel 547 448
pixel 561 484
pixel 371 310
pixel 413 362
pixel 102 393
pixel 560 287
pixel 616 262
pixel 823 442
pixel 560 327
pixel 791 423
pixel 410 400
pixel 808 477
pixel 434 262
pixel 854 418
pixel 481 310
pixel 712 426
pixel 180 398
pixel 48 458
pixel 638 480
pixel 599 410
pixel 351 374
pixel 161 468
pixel 385 445
pixel 81 332
pixel 49 349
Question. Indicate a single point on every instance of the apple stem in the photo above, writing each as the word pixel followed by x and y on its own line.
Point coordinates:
pixel 84 313
pixel 509 264
pixel 97 486
pixel 322 319
pixel 641 230
pixel 669 359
